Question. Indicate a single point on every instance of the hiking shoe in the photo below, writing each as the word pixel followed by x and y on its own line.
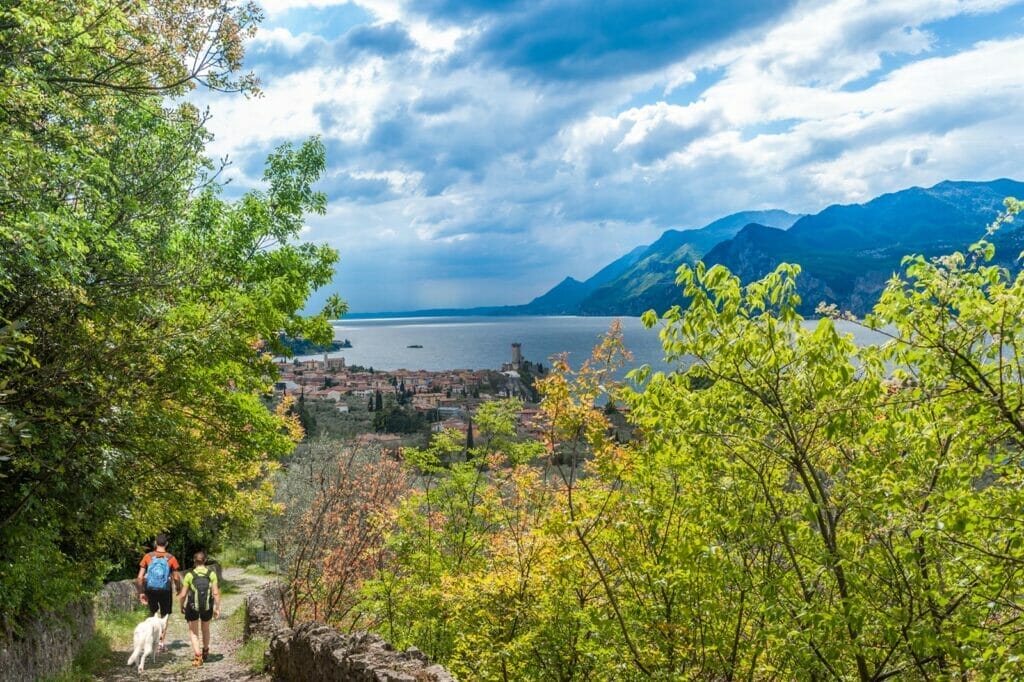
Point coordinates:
pixel 162 648
pixel 206 655
pixel 197 661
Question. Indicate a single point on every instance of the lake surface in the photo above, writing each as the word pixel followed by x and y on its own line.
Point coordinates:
pixel 486 342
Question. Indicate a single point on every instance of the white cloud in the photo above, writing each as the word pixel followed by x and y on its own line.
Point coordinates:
pixel 915 97
pixel 797 116
pixel 833 44
pixel 283 38
pixel 288 108
pixel 434 39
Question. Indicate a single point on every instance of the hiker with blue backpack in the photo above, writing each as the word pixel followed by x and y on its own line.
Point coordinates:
pixel 157 580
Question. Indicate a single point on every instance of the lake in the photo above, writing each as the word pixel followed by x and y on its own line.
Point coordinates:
pixel 486 342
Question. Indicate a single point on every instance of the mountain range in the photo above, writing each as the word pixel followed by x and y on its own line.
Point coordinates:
pixel 846 252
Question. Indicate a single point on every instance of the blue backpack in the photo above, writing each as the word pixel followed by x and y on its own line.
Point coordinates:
pixel 158 575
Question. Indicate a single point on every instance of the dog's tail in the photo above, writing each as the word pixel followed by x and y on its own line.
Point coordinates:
pixel 134 657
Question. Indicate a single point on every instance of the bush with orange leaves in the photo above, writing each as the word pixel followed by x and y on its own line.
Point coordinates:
pixel 342 503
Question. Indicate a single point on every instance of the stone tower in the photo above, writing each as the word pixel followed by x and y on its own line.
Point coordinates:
pixel 517 354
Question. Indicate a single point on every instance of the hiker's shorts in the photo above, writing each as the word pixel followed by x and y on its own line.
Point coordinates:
pixel 191 614
pixel 158 600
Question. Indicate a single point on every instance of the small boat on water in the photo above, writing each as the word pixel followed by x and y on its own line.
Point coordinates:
pixel 414 345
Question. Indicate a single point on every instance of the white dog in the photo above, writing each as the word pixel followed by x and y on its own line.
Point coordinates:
pixel 147 639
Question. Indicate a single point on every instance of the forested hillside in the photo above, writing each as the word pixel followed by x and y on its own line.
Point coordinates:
pixel 650 280
pixel 133 298
pixel 849 252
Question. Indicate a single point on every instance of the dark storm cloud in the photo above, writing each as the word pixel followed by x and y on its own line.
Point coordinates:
pixel 384 40
pixel 584 40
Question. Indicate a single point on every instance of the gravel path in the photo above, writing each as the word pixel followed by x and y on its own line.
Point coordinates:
pixel 225 641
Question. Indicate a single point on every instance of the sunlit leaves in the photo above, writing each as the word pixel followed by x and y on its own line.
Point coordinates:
pixel 133 298
pixel 794 507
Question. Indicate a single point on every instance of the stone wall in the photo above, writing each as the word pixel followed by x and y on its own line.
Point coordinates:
pixel 315 652
pixel 115 597
pixel 47 645
pixel 264 613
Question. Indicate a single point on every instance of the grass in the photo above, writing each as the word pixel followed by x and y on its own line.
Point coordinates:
pixel 239 553
pixel 113 631
pixel 244 554
pixel 236 622
pixel 251 654
pixel 257 569
pixel 89 662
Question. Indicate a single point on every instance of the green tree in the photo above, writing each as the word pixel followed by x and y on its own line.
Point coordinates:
pixel 306 419
pixel 134 300
pixel 852 520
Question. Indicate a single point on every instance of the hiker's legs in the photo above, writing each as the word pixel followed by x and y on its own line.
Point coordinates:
pixel 206 634
pixel 160 601
pixel 193 635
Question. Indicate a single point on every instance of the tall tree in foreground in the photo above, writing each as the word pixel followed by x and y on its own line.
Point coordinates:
pixel 134 300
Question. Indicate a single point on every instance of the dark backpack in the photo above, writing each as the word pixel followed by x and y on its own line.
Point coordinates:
pixel 200 596
pixel 158 575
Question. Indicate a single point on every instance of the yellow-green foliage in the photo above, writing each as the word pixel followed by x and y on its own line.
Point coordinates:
pixel 796 507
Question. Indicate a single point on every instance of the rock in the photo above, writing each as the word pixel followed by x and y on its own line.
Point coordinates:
pixel 215 566
pixel 316 652
pixel 122 595
pixel 264 612
pixel 46 645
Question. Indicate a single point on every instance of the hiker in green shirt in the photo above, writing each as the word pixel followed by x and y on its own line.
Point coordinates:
pixel 200 602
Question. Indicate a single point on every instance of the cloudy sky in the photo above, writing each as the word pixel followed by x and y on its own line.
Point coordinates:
pixel 480 151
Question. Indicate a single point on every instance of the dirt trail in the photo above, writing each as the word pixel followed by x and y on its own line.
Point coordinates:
pixel 176 663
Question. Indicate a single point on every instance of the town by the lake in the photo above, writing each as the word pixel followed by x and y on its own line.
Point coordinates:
pixel 425 401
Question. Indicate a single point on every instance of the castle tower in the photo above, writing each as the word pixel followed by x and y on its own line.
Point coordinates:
pixel 517 354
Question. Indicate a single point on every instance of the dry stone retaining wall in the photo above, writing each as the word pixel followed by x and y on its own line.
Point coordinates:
pixel 264 612
pixel 314 652
pixel 116 597
pixel 318 653
pixel 48 644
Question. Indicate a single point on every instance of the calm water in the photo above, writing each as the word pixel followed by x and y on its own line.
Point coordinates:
pixel 485 342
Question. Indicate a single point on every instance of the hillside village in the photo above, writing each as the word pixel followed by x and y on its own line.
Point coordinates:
pixel 447 399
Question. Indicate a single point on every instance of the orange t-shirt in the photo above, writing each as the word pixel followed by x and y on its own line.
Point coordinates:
pixel 171 562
